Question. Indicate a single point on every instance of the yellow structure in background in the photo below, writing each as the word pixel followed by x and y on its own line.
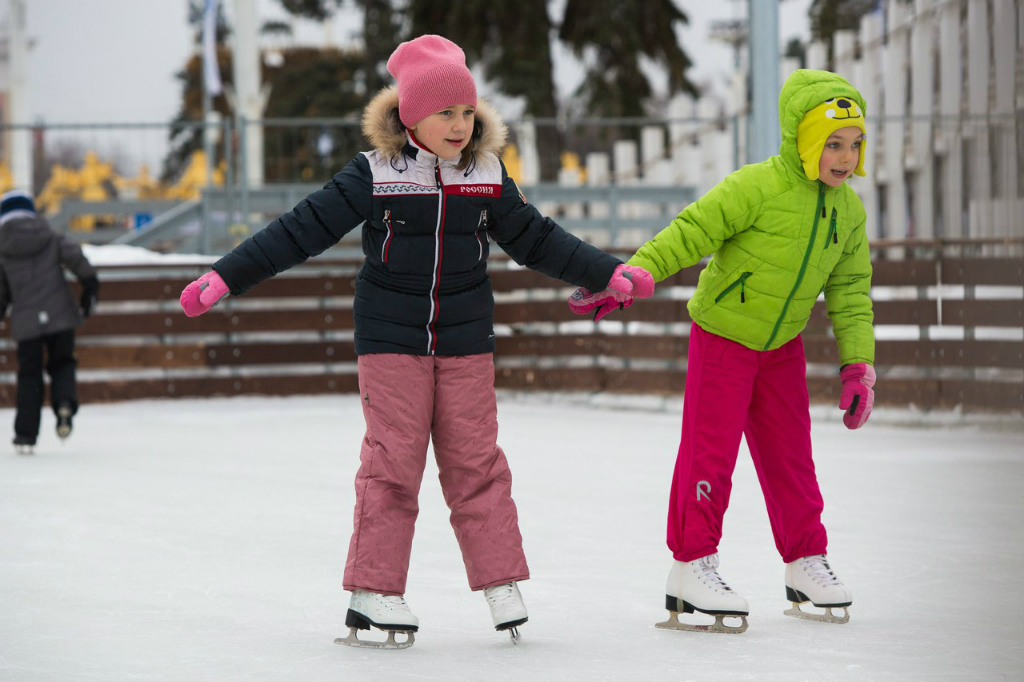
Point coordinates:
pixel 97 181
pixel 6 181
pixel 513 164
pixel 571 161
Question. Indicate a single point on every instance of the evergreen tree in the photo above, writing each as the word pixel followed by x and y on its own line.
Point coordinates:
pixel 515 54
pixel 829 16
pixel 381 30
pixel 310 82
pixel 610 37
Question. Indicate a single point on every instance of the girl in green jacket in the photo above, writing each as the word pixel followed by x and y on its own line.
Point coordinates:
pixel 779 233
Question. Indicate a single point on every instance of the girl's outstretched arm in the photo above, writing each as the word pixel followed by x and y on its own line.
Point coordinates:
pixel 539 243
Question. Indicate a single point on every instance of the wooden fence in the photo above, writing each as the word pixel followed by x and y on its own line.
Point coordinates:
pixel 950 334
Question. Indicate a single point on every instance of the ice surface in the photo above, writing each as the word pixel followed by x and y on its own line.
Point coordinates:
pixel 205 540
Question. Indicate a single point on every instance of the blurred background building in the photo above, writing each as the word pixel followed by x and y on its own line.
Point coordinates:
pixel 186 126
pixel 943 81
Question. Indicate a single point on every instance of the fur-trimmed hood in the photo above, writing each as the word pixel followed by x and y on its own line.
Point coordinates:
pixel 386 133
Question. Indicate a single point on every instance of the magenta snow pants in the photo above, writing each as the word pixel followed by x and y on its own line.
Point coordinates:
pixel 733 391
pixel 409 400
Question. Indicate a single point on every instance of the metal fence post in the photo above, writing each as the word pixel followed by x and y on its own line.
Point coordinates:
pixel 243 164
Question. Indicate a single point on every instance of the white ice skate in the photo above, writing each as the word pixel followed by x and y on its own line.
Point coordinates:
pixel 696 586
pixel 383 611
pixel 507 608
pixel 811 579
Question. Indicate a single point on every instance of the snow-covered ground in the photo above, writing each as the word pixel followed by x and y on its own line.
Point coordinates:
pixel 205 540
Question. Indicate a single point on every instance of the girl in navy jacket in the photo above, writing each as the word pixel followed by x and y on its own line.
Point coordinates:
pixel 430 197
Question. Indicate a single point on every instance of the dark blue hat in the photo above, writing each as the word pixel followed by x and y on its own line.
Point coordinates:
pixel 15 204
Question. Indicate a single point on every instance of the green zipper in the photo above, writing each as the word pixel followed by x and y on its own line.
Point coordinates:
pixel 803 266
pixel 738 283
pixel 833 233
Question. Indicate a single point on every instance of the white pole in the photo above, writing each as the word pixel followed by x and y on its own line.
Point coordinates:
pixel 922 106
pixel 977 107
pixel 950 98
pixel 21 139
pixel 248 96
pixel 1009 214
pixel 764 79
pixel 867 76
pixel 895 57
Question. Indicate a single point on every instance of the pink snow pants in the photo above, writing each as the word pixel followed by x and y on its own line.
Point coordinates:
pixel 409 400
pixel 733 391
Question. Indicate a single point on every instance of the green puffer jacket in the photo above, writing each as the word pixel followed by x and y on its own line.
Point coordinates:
pixel 779 239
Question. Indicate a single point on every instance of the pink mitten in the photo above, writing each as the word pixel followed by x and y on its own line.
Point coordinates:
pixel 632 280
pixel 583 300
pixel 627 282
pixel 857 396
pixel 203 294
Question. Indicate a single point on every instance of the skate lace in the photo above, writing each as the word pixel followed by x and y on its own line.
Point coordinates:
pixel 500 595
pixel 709 573
pixel 819 570
pixel 396 603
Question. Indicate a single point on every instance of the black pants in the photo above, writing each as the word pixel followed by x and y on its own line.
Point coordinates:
pixel 60 365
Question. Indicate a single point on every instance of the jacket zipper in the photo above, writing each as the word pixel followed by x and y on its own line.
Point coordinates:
pixel 741 283
pixel 438 252
pixel 481 225
pixel 833 232
pixel 803 266
pixel 387 239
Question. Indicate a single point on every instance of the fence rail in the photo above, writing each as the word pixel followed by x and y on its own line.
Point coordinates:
pixel 293 334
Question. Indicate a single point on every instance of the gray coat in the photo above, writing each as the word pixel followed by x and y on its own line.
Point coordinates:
pixel 32 279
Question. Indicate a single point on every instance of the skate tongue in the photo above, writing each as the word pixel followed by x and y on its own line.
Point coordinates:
pixel 709 566
pixel 820 571
pixel 709 561
pixel 500 594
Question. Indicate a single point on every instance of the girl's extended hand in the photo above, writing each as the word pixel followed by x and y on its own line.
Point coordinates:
pixel 203 294
pixel 632 280
pixel 626 283
pixel 857 396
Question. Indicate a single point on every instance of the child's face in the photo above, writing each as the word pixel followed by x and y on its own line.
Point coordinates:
pixel 447 132
pixel 839 156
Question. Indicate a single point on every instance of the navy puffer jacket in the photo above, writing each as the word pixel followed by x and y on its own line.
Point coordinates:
pixel 423 289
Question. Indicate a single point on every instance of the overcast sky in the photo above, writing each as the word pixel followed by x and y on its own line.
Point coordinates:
pixel 115 60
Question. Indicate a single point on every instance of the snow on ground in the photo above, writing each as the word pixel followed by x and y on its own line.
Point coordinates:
pixel 120 254
pixel 205 540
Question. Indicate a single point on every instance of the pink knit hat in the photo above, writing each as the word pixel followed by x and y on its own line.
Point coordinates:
pixel 431 73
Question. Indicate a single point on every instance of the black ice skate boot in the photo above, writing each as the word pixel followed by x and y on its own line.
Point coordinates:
pixel 23 444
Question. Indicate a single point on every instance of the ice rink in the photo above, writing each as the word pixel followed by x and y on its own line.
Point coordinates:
pixel 205 540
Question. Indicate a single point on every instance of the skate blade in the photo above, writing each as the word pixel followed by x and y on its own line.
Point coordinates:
pixel 23 449
pixel 390 643
pixel 513 634
pixel 673 623
pixel 826 617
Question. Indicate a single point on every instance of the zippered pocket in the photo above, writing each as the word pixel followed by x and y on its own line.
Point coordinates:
pixel 389 221
pixel 833 230
pixel 741 283
pixel 481 227
pixel 387 237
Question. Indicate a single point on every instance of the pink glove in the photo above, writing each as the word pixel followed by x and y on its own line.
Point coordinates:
pixel 632 280
pixel 627 282
pixel 857 396
pixel 584 300
pixel 203 294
